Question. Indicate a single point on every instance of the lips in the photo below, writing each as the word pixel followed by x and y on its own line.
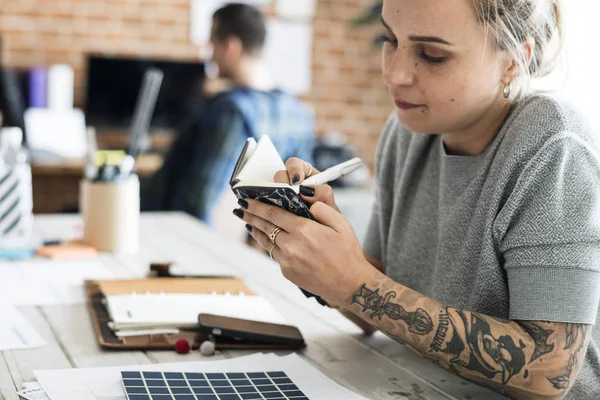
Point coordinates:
pixel 403 105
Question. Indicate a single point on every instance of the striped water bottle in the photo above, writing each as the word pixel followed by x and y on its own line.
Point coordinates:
pixel 16 202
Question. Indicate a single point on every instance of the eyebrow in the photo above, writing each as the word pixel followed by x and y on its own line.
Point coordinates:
pixel 414 38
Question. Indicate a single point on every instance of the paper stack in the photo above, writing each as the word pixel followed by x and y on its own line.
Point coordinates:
pixel 180 310
pixel 99 383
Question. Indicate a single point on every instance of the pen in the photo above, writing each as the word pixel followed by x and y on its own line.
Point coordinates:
pixel 90 169
pixel 335 172
pixel 53 242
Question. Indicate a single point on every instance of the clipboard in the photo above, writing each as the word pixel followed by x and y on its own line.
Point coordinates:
pixel 97 290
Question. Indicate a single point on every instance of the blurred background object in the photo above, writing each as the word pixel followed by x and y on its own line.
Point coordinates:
pixel 97 55
pixel 334 69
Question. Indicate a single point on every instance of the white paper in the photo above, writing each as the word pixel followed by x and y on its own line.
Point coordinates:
pixel 201 12
pixel 181 310
pixel 263 162
pixel 98 383
pixel 288 55
pixel 45 282
pixel 53 135
pixel 296 9
pixel 16 332
pixel 33 391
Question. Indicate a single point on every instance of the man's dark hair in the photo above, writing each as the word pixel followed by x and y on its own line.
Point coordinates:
pixel 242 21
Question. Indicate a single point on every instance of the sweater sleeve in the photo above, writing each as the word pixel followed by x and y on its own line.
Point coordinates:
pixel 548 234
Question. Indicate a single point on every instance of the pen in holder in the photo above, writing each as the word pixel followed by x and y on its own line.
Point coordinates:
pixel 111 214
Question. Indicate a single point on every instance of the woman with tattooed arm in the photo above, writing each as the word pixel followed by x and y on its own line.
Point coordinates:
pixel 483 251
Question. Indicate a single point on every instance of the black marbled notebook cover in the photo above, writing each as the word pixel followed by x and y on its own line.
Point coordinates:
pixel 284 197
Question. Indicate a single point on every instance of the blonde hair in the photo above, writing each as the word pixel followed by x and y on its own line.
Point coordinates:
pixel 513 23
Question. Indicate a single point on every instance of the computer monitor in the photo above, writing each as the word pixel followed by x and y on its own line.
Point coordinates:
pixel 113 84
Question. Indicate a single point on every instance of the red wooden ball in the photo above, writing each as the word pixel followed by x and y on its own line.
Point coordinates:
pixel 182 346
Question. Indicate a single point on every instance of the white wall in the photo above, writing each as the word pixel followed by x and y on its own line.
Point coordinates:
pixel 579 78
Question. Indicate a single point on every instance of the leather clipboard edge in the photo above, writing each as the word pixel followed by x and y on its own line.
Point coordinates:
pixel 92 289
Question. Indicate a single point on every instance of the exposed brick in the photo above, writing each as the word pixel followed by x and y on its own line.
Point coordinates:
pixel 348 93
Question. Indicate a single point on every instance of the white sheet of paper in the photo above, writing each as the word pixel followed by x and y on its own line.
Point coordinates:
pixel 180 310
pixel 262 163
pixel 98 383
pixel 46 282
pixel 296 9
pixel 33 391
pixel 288 55
pixel 16 332
pixel 201 12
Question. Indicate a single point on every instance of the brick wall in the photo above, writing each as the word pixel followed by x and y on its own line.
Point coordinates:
pixel 348 93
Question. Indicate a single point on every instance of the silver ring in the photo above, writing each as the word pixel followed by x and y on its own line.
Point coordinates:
pixel 271 252
pixel 273 235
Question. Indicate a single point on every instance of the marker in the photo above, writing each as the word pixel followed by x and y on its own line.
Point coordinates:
pixel 332 173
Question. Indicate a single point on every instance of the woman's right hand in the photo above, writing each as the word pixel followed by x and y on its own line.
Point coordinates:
pixel 295 173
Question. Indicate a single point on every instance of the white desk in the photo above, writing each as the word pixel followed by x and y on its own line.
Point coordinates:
pixel 376 366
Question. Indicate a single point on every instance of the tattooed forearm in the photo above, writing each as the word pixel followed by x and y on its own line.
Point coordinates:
pixel 440 334
pixel 540 337
pixel 419 322
pixel 564 381
pixel 521 359
pixel 574 333
pixel 473 347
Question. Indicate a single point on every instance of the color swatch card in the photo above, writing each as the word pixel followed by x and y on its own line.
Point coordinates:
pixel 151 385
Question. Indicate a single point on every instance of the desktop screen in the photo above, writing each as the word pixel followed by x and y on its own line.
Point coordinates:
pixel 113 85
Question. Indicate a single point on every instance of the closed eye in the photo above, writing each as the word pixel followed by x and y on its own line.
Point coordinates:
pixel 431 59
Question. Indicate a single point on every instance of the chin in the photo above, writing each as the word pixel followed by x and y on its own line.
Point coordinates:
pixel 418 123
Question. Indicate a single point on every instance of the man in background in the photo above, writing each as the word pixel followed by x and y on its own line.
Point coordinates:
pixel 242 103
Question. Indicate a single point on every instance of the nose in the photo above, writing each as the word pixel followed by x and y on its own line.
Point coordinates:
pixel 397 70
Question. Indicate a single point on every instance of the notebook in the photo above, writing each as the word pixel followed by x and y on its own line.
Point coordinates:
pixel 154 313
pixel 180 310
pixel 253 175
pixel 252 178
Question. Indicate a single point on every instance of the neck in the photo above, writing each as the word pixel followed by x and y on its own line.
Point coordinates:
pixel 252 73
pixel 474 140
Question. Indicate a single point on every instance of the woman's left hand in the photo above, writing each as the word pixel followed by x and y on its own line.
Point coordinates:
pixel 322 257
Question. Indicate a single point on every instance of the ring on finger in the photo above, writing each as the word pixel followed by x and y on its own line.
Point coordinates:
pixel 271 252
pixel 273 235
pixel 310 171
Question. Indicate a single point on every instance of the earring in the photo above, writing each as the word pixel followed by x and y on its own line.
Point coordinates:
pixel 507 90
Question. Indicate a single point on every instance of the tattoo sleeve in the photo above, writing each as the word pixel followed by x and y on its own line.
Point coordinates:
pixel 524 359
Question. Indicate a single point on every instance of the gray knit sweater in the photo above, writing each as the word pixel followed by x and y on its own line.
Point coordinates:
pixel 512 233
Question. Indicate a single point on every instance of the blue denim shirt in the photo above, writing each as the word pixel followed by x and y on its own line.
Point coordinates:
pixel 199 165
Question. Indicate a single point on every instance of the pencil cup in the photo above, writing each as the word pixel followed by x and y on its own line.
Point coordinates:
pixel 111 214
